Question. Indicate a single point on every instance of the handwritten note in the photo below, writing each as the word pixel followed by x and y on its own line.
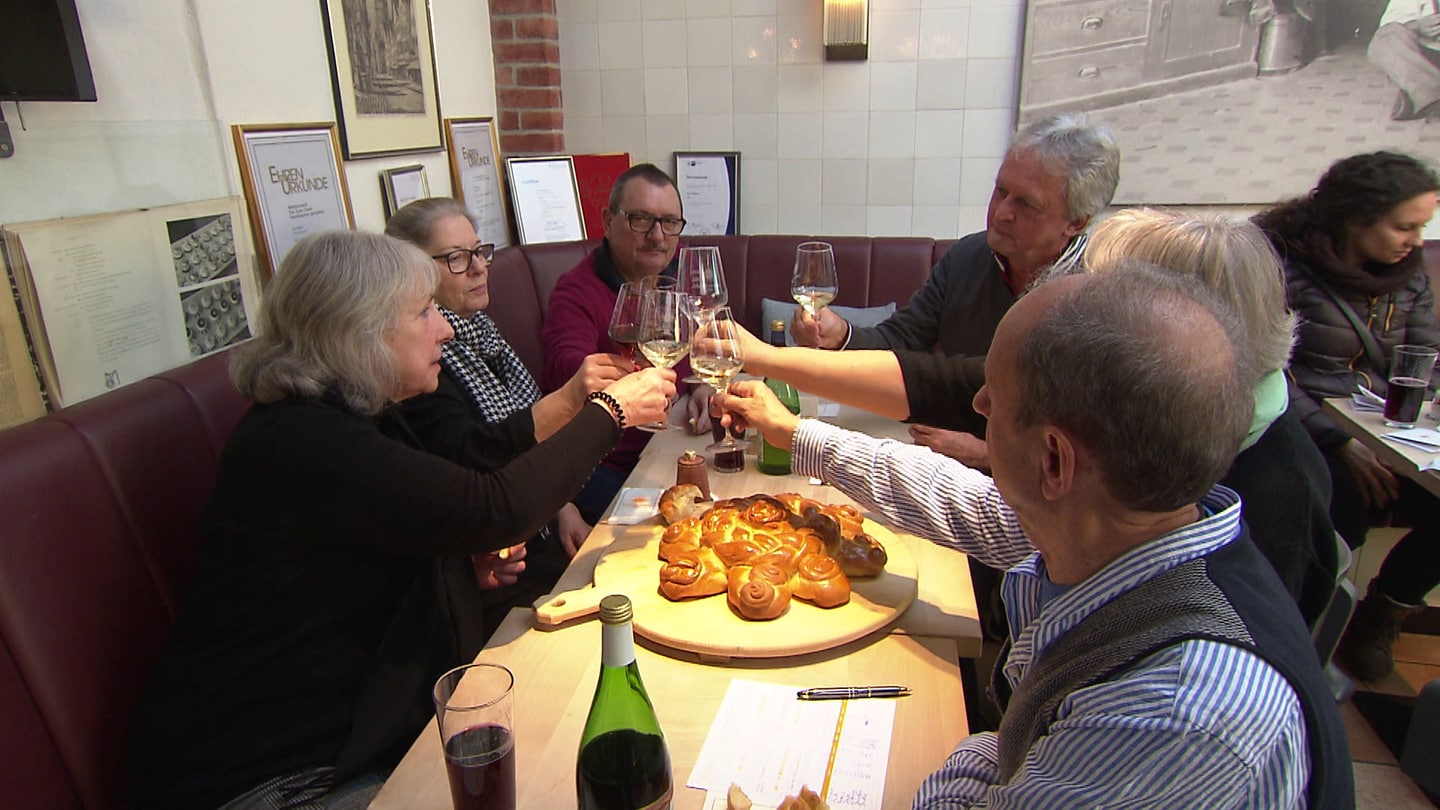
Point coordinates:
pixel 771 744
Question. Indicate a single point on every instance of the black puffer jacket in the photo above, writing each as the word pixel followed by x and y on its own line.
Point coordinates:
pixel 1329 358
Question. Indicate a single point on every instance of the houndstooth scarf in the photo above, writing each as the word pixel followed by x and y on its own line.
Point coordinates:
pixel 488 368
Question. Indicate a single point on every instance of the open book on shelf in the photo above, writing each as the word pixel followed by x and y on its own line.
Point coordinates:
pixel 96 302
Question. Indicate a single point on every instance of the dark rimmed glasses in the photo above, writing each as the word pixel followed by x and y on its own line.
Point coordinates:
pixel 642 223
pixel 458 261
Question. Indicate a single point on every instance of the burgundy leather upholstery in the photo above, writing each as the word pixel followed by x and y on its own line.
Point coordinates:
pixel 99 503
pixel 872 271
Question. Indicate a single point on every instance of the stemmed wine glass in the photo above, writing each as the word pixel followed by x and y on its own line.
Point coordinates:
pixel 814 283
pixel 665 330
pixel 702 276
pixel 716 356
pixel 625 319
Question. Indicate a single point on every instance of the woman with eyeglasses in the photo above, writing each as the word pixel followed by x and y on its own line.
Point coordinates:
pixel 484 381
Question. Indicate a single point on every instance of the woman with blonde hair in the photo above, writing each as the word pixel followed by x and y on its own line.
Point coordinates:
pixel 301 663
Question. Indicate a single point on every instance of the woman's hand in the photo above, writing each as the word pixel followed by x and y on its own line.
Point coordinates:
pixel 573 529
pixel 825 331
pixel 644 395
pixel 751 404
pixel 499 568
pixel 596 371
pixel 966 448
pixel 1378 485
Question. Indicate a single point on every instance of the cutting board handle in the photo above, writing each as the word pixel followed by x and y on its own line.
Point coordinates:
pixel 566 605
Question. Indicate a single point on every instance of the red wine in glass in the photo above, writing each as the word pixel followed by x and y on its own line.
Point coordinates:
pixel 481 764
pixel 626 336
pixel 1403 399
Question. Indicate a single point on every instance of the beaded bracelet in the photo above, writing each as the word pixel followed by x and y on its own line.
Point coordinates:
pixel 609 402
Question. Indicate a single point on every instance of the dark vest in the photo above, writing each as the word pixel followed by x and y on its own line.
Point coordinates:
pixel 1230 595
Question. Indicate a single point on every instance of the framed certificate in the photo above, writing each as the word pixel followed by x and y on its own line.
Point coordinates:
pixel 382 69
pixel 475 175
pixel 709 186
pixel 403 185
pixel 294 185
pixel 547 199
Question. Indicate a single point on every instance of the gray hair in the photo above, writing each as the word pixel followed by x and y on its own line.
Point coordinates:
pixel 649 172
pixel 415 221
pixel 325 317
pixel 1086 156
pixel 1231 257
pixel 1123 363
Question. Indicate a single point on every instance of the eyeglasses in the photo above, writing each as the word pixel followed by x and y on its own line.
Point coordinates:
pixel 458 261
pixel 642 223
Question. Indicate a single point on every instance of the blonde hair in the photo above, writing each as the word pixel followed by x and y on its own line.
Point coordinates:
pixel 1231 257
pixel 325 317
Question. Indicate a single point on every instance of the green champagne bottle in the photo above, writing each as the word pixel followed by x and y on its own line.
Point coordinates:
pixel 776 460
pixel 624 763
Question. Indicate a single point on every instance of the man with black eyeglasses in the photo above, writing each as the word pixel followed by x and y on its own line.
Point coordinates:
pixel 643 220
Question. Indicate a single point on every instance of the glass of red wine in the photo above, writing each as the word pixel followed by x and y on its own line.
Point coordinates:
pixel 625 318
pixel 1409 379
pixel 474 710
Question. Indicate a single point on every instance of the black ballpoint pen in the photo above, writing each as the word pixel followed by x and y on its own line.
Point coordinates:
pixel 852 692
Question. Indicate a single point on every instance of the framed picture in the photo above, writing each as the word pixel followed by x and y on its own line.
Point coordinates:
pixel 403 185
pixel 709 186
pixel 475 175
pixel 547 199
pixel 382 68
pixel 294 184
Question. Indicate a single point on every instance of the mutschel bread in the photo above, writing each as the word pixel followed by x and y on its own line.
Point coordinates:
pixel 763 551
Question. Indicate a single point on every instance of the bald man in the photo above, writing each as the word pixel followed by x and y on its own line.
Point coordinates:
pixel 1154 658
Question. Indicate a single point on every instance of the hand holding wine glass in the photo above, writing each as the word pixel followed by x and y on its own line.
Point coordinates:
pixel 814 283
pixel 716 355
pixel 665 331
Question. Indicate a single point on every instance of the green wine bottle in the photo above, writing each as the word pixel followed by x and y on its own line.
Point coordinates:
pixel 776 460
pixel 624 763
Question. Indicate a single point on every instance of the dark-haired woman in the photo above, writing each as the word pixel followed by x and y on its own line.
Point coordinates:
pixel 1355 243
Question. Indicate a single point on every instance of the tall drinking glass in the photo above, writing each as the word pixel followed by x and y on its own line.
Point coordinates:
pixel 1410 371
pixel 473 709
pixel 625 318
pixel 716 356
pixel 814 283
pixel 702 276
pixel 665 330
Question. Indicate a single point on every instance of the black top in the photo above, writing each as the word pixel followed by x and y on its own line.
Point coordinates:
pixel 318 621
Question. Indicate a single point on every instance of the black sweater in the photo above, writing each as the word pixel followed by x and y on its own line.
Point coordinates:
pixel 318 619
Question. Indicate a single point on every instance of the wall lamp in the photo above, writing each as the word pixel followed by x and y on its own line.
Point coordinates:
pixel 847 30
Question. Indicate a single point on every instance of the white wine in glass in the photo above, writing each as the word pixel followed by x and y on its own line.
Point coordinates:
pixel 814 283
pixel 665 329
pixel 717 357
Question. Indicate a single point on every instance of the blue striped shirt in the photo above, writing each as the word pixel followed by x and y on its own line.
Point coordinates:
pixel 1200 724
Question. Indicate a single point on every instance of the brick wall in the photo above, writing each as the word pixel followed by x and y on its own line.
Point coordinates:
pixel 526 39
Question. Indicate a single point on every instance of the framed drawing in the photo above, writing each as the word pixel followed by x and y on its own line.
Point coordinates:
pixel 382 69
pixel 709 186
pixel 547 199
pixel 294 184
pixel 403 185
pixel 475 175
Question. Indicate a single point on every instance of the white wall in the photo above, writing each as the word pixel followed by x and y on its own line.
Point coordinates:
pixel 172 76
pixel 904 143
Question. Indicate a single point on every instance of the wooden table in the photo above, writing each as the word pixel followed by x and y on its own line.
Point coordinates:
pixel 1369 427
pixel 556 669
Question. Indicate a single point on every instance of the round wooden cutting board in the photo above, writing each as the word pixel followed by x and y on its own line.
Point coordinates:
pixel 708 626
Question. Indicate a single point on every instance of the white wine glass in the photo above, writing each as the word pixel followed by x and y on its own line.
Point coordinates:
pixel 702 276
pixel 716 356
pixel 665 331
pixel 625 318
pixel 814 283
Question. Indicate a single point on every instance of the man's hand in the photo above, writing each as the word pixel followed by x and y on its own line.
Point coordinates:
pixel 1429 27
pixel 825 331
pixel 1378 485
pixel 697 410
pixel 573 529
pixel 596 371
pixel 966 448
pixel 751 404
pixel 499 568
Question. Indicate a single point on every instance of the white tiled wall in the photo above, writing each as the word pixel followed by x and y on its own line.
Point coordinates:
pixel 905 143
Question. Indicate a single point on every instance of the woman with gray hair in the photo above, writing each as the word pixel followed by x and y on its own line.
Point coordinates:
pixel 487 407
pixel 318 618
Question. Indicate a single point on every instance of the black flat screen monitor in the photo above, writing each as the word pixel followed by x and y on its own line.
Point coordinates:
pixel 42 52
